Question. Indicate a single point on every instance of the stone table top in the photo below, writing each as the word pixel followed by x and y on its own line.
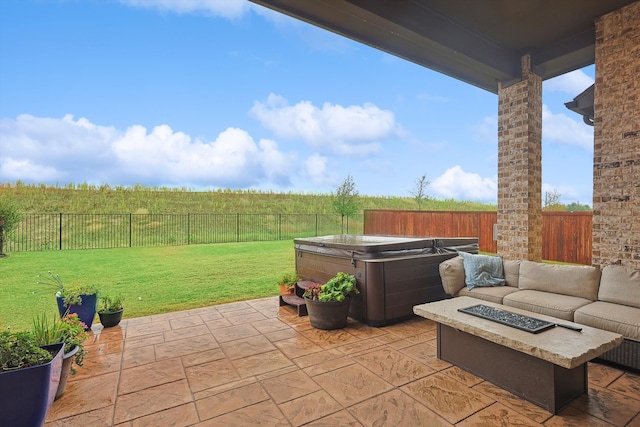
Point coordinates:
pixel 560 346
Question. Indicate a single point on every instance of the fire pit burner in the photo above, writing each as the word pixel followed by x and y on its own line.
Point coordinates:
pixel 519 321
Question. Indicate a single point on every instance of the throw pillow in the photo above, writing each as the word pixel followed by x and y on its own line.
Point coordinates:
pixel 482 270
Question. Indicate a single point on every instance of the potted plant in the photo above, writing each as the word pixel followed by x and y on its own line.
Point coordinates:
pixel 71 332
pixel 29 377
pixel 78 299
pixel 328 304
pixel 110 310
pixel 287 283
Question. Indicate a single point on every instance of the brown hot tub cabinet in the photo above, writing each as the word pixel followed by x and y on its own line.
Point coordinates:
pixel 393 273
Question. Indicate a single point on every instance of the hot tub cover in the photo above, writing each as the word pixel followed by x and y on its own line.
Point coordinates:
pixel 357 246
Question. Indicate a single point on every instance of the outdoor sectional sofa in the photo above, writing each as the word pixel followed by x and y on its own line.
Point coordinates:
pixel 607 299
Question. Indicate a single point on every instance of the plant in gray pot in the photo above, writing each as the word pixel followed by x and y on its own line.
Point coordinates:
pixel 29 377
pixel 328 304
pixel 71 332
pixel 110 310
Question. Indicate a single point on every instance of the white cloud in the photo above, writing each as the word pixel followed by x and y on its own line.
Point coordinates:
pixel 36 148
pixel 562 129
pixel 49 150
pixel 14 170
pixel 276 164
pixel 315 167
pixel 229 9
pixel 572 83
pixel 352 130
pixel 457 184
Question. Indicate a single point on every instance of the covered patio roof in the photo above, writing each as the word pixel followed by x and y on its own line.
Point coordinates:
pixel 479 42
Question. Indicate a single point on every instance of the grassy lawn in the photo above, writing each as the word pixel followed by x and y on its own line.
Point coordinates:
pixel 153 280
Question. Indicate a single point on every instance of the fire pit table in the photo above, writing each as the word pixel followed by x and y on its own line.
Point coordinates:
pixel 547 367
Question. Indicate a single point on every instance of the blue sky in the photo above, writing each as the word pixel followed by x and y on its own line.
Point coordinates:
pixel 209 94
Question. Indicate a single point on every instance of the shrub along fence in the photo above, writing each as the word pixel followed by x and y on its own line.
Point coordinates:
pixel 37 232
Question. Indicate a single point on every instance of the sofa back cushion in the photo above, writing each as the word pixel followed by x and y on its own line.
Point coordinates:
pixel 574 280
pixel 511 271
pixel 620 285
pixel 452 275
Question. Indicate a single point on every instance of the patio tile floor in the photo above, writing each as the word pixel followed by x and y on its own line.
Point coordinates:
pixel 255 363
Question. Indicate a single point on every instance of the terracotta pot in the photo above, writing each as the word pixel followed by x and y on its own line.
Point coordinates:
pixel 328 315
pixel 286 290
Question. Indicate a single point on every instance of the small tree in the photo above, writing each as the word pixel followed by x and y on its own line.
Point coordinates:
pixel 345 200
pixel 9 218
pixel 419 192
pixel 552 201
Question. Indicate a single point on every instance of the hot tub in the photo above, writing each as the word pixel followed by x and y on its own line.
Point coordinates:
pixel 393 273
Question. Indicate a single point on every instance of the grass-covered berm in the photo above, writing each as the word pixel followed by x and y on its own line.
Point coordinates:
pixel 105 199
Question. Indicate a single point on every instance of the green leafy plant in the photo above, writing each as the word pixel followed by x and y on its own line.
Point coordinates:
pixel 70 295
pixel 110 304
pixel 68 330
pixel 313 291
pixel 336 289
pixel 21 350
pixel 288 280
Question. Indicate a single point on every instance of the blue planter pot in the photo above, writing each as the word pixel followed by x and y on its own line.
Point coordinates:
pixel 28 393
pixel 85 311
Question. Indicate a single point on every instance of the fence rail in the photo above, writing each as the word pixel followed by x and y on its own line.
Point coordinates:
pixel 39 232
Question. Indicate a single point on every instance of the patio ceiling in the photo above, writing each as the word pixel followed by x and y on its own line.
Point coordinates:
pixel 479 42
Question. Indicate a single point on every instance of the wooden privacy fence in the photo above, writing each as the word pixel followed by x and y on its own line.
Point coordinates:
pixel 566 236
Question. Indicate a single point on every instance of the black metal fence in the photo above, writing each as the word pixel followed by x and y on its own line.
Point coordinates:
pixel 40 232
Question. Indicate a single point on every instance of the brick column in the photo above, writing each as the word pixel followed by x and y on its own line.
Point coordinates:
pixel 616 164
pixel 520 167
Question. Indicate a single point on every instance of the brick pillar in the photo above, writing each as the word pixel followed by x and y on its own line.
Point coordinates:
pixel 520 167
pixel 616 163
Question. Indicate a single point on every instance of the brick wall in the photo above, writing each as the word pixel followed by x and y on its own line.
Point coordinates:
pixel 520 167
pixel 616 168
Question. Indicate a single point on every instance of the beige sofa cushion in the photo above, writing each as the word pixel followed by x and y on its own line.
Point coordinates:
pixel 511 271
pixel 620 285
pixel 491 293
pixel 550 304
pixel 452 275
pixel 611 317
pixel 580 281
